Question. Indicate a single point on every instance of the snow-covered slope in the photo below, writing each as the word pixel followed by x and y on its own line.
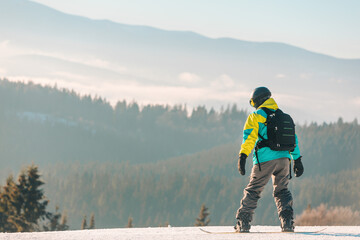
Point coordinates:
pixel 184 233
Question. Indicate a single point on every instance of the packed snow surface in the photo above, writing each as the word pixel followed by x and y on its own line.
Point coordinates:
pixel 187 233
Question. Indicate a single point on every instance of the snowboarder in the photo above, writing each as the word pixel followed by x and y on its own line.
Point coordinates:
pixel 266 163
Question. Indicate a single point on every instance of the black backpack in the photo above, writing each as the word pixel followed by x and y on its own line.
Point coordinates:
pixel 280 131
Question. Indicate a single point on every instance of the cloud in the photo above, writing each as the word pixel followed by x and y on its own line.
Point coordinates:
pixel 339 80
pixel 88 60
pixel 4 44
pixel 187 77
pixel 3 71
pixel 306 75
pixel 71 76
pixel 6 49
pixel 280 75
pixel 107 65
pixel 223 82
pixel 356 101
pixel 143 94
pixel 9 49
pixel 299 101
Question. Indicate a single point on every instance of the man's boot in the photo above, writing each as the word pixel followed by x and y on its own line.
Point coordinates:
pixel 243 223
pixel 286 219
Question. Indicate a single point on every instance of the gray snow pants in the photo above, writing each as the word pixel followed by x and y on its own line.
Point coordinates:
pixel 278 169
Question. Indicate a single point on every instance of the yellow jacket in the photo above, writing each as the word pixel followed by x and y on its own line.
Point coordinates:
pixel 255 125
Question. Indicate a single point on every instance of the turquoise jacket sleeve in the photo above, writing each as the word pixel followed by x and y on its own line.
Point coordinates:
pixel 296 153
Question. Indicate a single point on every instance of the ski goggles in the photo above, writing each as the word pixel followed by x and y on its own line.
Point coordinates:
pixel 252 103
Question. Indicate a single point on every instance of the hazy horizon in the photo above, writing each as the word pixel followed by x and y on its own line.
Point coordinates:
pixel 153 66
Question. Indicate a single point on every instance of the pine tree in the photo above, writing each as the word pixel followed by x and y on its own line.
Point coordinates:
pixel 8 207
pixel 13 204
pixel 23 204
pixel 201 220
pixel 3 220
pixel 130 220
pixel 34 200
pixel 92 221
pixel 83 223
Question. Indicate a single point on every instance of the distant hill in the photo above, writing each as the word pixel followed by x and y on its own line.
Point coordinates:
pixel 156 163
pixel 49 125
pixel 152 65
pixel 172 191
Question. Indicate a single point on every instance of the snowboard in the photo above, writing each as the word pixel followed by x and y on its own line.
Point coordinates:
pixel 209 232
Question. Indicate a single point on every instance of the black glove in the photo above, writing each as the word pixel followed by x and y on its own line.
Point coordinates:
pixel 241 163
pixel 298 167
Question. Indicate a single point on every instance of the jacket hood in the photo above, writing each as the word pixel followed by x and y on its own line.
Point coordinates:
pixel 270 103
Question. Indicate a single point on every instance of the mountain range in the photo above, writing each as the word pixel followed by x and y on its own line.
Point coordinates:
pixel 150 65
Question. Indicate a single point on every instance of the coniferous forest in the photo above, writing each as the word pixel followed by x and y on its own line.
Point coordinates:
pixel 158 164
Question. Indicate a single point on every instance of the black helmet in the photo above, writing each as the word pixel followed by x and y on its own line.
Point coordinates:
pixel 259 96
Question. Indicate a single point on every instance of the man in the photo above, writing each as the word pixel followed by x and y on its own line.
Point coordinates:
pixel 267 163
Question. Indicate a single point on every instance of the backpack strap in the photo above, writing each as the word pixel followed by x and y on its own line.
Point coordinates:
pixel 263 142
pixel 269 112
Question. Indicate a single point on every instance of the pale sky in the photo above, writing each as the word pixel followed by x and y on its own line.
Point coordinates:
pixel 330 27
